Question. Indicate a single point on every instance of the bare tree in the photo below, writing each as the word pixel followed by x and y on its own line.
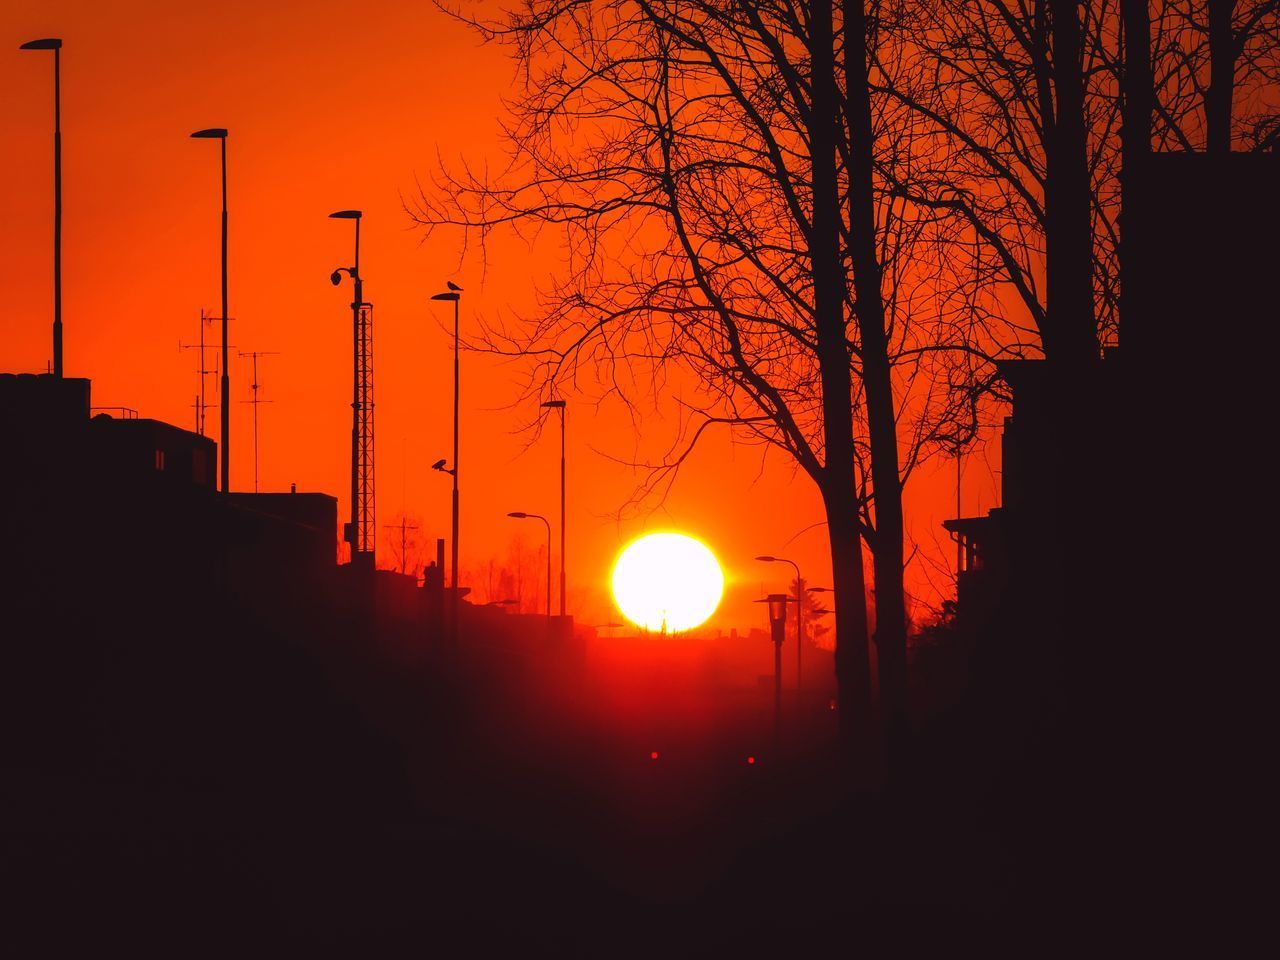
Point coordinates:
pixel 723 179
pixel 1018 96
pixel 1217 74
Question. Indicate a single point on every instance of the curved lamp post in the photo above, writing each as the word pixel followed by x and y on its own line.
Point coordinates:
pixel 454 294
pixel 560 405
pixel 519 515
pixel 54 44
pixel 224 437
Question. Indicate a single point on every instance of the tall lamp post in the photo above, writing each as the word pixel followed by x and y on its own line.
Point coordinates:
pixel 519 515
pixel 224 439
pixel 799 611
pixel 560 405
pixel 454 293
pixel 362 534
pixel 54 44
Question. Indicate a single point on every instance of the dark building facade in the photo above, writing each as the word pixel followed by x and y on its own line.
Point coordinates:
pixel 1106 469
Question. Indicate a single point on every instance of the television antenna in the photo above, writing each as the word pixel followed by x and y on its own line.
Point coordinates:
pixel 404 526
pixel 255 385
pixel 203 369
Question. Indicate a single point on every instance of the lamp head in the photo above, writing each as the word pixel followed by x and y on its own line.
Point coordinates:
pixel 557 404
pixel 446 296
pixel 777 607
pixel 518 515
pixel 346 215
pixel 212 133
pixel 51 43
pixel 767 559
pixel 336 277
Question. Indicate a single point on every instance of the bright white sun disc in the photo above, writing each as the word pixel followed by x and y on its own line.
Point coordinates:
pixel 667 582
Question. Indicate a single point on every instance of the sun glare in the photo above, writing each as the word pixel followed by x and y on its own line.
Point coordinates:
pixel 667 582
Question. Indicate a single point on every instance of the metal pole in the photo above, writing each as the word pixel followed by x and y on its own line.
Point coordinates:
pixel 777 688
pixel 55 44
pixel 547 524
pixel 225 438
pixel 355 413
pixel 356 513
pixel 57 212
pixel 255 423
pixel 959 539
pixel 563 413
pixel 456 371
pixel 799 626
pixel 200 399
pixel 799 620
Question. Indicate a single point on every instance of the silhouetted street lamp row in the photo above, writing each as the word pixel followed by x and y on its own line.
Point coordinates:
pixel 452 293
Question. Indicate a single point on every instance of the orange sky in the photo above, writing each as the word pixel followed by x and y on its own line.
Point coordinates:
pixel 333 105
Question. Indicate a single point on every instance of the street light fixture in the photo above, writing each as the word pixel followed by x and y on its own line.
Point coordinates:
pixel 778 629
pixel 224 438
pixel 799 612
pixel 520 515
pixel 362 531
pixel 454 294
pixel 54 44
pixel 560 405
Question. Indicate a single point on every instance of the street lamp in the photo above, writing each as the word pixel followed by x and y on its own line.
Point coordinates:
pixel 224 439
pixel 454 293
pixel 799 611
pixel 778 629
pixel 519 515
pixel 54 44
pixel 560 405
pixel 362 532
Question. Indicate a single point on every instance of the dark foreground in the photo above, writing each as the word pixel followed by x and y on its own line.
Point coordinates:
pixel 234 795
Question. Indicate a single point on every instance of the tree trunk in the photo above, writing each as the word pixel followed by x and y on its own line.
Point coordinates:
pixel 1070 334
pixel 852 670
pixel 887 551
pixel 1138 105
pixel 1222 74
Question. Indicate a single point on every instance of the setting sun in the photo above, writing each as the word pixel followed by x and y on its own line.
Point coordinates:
pixel 667 582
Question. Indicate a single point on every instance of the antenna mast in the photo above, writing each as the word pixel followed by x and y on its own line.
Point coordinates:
pixel 404 526
pixel 253 355
pixel 202 370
